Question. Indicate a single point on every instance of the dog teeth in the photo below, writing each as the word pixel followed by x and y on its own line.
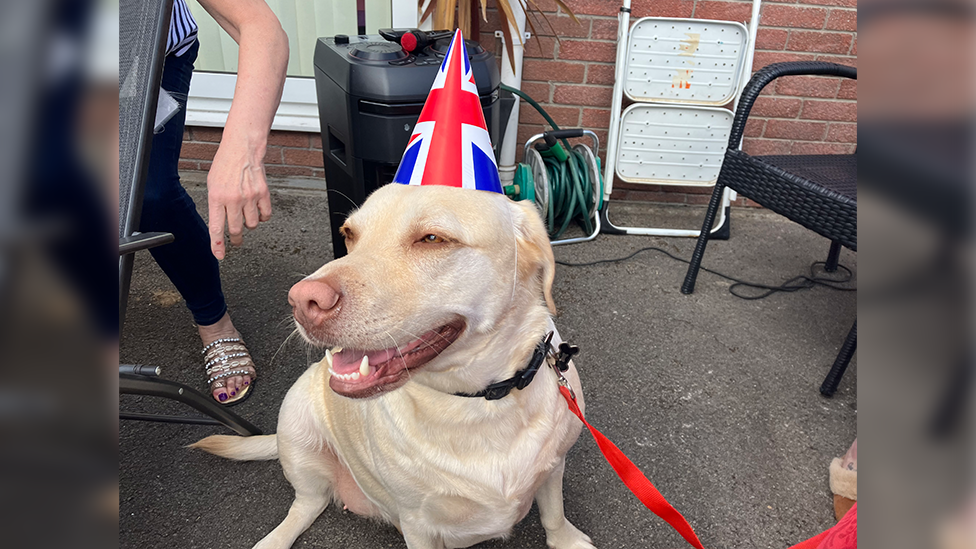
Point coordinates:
pixel 328 358
pixel 345 377
pixel 364 366
pixel 336 350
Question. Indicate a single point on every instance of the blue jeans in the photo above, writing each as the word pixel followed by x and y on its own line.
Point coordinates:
pixel 188 261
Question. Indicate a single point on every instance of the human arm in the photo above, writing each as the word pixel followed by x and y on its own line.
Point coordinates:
pixel 238 193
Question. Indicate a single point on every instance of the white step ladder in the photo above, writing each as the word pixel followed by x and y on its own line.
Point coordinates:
pixel 679 73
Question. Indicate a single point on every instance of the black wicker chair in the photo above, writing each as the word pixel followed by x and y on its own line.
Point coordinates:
pixel 816 191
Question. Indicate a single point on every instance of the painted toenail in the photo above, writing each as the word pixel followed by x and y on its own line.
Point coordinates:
pixel 233 393
pixel 222 397
pixel 247 383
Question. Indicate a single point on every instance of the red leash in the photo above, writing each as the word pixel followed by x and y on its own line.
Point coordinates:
pixel 632 476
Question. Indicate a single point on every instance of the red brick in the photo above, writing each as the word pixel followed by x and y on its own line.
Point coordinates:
pixel 764 58
pixel 754 127
pixel 288 171
pixel 316 139
pixel 553 71
pixel 660 8
pixel 820 42
pixel 594 7
pixel 842 133
pixel 564 26
pixel 527 131
pixel 596 118
pixel 288 139
pixel 849 61
pixel 765 146
pixel 205 166
pixel 808 86
pixel 594 96
pixel 777 107
pixel 198 151
pixel 844 20
pixel 795 17
pixel 603 29
pixel 488 41
pixel 186 134
pixel 848 89
pixel 565 117
pixel 854 46
pixel 836 3
pixel 656 196
pixel 725 11
pixel 844 111
pixel 600 74
pixel 539 91
pixel 547 6
pixel 795 129
pixel 821 148
pixel 539 47
pixel 588 50
pixel 319 174
pixel 696 190
pixel 771 39
pixel 212 135
pixel 303 157
pixel 188 165
pixel 272 155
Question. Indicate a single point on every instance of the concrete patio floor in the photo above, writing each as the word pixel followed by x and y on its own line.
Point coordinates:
pixel 713 397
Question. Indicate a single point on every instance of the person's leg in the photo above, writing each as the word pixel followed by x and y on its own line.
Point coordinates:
pixel 188 261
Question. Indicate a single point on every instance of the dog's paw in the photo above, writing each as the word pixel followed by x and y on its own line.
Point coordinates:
pixel 568 537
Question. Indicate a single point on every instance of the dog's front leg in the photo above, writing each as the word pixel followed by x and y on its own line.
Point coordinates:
pixel 308 505
pixel 418 538
pixel 560 534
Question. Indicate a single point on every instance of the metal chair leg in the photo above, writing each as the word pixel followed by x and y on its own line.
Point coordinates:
pixel 696 257
pixel 833 257
pixel 142 385
pixel 830 383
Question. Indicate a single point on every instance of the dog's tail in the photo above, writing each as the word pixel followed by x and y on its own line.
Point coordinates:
pixel 253 448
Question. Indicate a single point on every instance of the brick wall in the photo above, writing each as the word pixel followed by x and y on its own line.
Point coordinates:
pixel 290 154
pixel 573 80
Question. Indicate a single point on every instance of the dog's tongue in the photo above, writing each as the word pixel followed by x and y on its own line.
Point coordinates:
pixel 348 360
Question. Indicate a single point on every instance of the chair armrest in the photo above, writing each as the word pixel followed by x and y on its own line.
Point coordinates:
pixel 769 73
pixel 143 241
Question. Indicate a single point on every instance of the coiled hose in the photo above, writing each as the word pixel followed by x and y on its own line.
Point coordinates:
pixel 571 186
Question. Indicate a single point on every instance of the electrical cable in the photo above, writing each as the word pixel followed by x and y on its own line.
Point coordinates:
pixel 571 189
pixel 795 284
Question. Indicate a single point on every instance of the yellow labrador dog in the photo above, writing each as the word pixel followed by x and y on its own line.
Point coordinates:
pixel 444 292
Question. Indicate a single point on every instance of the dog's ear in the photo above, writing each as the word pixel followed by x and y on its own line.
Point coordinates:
pixel 535 257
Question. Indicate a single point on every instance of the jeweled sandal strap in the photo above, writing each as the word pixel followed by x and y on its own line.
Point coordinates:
pixel 218 342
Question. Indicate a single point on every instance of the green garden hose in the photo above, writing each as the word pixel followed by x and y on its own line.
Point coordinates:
pixel 572 188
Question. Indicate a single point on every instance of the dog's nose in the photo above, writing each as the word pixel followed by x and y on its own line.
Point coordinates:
pixel 313 301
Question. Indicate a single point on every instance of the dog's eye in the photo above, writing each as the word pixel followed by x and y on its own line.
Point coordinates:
pixel 432 239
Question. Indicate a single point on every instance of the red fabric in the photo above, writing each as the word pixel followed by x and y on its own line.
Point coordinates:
pixel 842 535
pixel 635 480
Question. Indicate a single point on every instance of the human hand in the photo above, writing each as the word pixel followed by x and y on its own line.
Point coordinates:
pixel 237 191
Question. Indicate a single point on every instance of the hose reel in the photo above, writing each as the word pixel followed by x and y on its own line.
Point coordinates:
pixel 564 182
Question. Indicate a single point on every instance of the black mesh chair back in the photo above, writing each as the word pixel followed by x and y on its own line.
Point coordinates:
pixel 143 29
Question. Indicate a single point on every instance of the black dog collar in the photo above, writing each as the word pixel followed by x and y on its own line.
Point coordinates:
pixel 523 377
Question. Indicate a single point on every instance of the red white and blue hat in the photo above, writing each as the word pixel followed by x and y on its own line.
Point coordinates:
pixel 450 144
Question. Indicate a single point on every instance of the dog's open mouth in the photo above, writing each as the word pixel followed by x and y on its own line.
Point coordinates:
pixel 361 374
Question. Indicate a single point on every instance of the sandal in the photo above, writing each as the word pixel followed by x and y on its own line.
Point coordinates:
pixel 228 357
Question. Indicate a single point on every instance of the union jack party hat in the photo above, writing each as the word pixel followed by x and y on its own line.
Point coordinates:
pixel 450 144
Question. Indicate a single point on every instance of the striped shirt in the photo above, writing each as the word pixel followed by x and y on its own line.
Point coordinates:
pixel 182 29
